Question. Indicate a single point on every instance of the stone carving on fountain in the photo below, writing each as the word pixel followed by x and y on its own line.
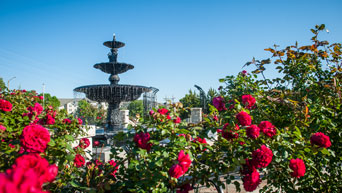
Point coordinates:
pixel 113 93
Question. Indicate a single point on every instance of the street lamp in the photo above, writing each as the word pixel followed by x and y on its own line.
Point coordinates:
pixel 9 82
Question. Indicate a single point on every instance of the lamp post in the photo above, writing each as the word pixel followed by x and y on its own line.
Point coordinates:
pixel 43 95
pixel 9 82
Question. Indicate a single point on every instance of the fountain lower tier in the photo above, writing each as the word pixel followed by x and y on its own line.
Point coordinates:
pixel 113 95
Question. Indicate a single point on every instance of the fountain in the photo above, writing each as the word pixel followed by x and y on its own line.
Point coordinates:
pixel 113 93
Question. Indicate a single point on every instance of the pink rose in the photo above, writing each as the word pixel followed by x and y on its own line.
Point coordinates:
pixel 2 128
pixel 35 138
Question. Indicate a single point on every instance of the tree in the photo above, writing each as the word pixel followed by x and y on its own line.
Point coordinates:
pixel 192 99
pixel 2 84
pixel 50 100
pixel 210 95
pixel 136 107
pixel 90 113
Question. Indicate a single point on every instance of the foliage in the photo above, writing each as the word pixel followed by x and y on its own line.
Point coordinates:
pixel 91 114
pixel 50 100
pixel 2 84
pixel 135 107
pixel 192 99
pixel 62 135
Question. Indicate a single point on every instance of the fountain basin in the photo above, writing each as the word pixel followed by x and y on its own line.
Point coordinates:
pixel 113 93
pixel 113 67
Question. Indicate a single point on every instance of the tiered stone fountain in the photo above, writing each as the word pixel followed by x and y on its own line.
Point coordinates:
pixel 113 93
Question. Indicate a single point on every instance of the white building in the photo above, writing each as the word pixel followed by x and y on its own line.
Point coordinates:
pixel 71 104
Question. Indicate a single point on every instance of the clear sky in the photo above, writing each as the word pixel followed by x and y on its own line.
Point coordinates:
pixel 172 44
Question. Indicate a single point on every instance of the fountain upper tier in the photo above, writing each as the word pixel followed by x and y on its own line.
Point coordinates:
pixel 113 93
pixel 113 67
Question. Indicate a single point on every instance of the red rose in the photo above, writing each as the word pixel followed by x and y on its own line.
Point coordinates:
pixel 66 121
pixel 49 120
pixel 52 172
pixel 80 122
pixel 34 111
pixel 168 117
pixel 248 101
pixel 218 103
pixel 2 128
pixel 96 143
pixel 35 138
pixel 320 139
pixel 267 128
pixel 184 160
pixel 176 171
pixel 185 188
pixel 5 105
pixel 79 161
pixel 215 118
pixel 244 118
pixel 253 131
pixel 228 134
pixel 177 120
pixel 84 143
pixel 262 157
pixel 163 111
pixel 298 167
pixel 20 181
pixel 244 73
pixel 141 139
pixel 248 167
pixel 40 166
pixel 113 164
pixel 251 181
pixel 151 112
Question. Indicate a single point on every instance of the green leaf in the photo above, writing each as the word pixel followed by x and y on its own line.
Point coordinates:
pixel 70 157
pixel 52 143
pixel 69 137
pixel 325 151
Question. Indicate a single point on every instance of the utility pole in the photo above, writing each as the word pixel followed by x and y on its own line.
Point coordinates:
pixel 9 82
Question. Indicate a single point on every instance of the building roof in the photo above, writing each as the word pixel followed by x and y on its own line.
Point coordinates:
pixel 65 101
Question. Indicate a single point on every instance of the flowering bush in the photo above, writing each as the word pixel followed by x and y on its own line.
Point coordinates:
pixel 35 144
pixel 284 132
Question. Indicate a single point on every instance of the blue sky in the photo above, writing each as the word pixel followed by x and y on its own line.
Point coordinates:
pixel 172 44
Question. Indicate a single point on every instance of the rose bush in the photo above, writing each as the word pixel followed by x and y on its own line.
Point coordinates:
pixel 284 132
